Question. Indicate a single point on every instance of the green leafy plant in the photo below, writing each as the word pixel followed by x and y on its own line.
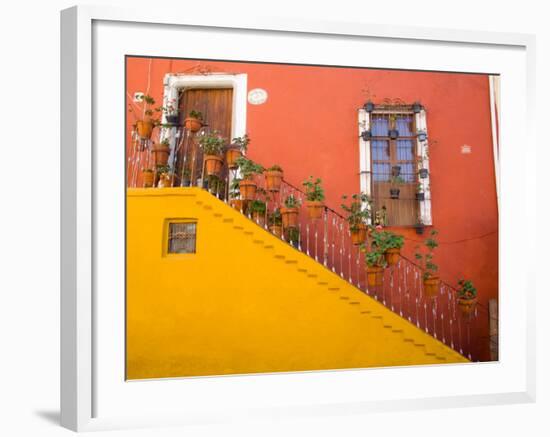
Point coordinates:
pixel 212 143
pixel 419 188
pixel 358 210
pixel 375 258
pixel 162 169
pixel 314 191
pixel 274 218
pixel 234 190
pixel 292 202
pixel 143 109
pixel 397 180
pixel 466 290
pixel 384 240
pixel 293 236
pixel 425 258
pixel 195 114
pixel 258 206
pixel 248 168
pixel 274 167
pixel 147 170
pixel 215 184
pixel 241 142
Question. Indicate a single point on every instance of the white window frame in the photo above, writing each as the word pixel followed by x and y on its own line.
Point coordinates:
pixel 365 166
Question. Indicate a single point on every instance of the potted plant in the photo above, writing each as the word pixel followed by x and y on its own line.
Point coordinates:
pixel 429 276
pixel 164 176
pixel 395 170
pixel 419 227
pixel 234 195
pixel 467 296
pixel 416 107
pixel 293 237
pixel 247 185
pixel 273 178
pixel 419 192
pixel 358 213
pixel 393 133
pixel 368 106
pixel 394 190
pixel 171 112
pixel 235 150
pixel 275 222
pixel 212 145
pixel 389 244
pixel 423 173
pixel 148 177
pixel 314 197
pixel 161 152
pixel 186 177
pixel 194 121
pixel 258 209
pixel 147 121
pixel 366 135
pixel 421 135
pixel 289 213
pixel 375 267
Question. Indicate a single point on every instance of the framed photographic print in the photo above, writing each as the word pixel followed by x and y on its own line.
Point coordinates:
pixel 270 218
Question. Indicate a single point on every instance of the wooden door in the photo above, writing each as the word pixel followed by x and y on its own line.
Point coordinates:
pixel 215 104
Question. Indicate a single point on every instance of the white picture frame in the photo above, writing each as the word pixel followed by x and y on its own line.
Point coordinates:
pixel 80 368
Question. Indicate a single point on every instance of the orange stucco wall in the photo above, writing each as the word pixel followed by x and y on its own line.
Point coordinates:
pixel 309 126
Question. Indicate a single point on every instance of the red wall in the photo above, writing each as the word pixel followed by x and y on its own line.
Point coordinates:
pixel 309 126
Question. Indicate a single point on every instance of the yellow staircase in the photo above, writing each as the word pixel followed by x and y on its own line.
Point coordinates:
pixel 247 302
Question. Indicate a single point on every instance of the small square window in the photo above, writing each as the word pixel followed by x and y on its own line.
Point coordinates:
pixel 182 237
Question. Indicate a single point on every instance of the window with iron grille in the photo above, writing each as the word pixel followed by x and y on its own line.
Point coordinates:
pixel 182 237
pixel 394 179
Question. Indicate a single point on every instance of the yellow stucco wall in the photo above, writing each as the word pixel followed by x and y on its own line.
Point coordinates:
pixel 247 302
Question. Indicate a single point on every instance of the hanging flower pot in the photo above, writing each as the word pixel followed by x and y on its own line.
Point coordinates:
pixel 358 234
pixel 289 217
pixel 160 152
pixel 374 276
pixel 422 136
pixel 276 230
pixel 172 119
pixel 419 228
pixel 247 188
pixel 396 170
pixel 431 285
pixel 420 196
pixel 259 218
pixel 392 256
pixel 238 204
pixel 231 155
pixel 369 106
pixel 165 180
pixel 393 134
pixel 366 135
pixel 273 178
pixel 194 122
pixel 394 193
pixel 423 173
pixel 213 164
pixel 315 209
pixel 467 306
pixel 145 128
pixel 416 107
pixel 148 177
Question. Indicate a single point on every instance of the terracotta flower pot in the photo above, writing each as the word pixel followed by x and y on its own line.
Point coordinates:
pixel 231 155
pixel 392 256
pixel 165 180
pixel 161 152
pixel 238 204
pixel 145 129
pixel 374 276
pixel 315 209
pixel 431 285
pixel 273 180
pixel 148 178
pixel 213 164
pixel 276 230
pixel 192 124
pixel 248 189
pixel 467 306
pixel 289 217
pixel 259 218
pixel 359 234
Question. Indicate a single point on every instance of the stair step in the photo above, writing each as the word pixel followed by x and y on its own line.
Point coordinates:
pixel 355 303
pixel 227 220
pixel 291 261
pixel 387 326
pixel 239 228
pixel 344 297
pixel 397 331
pixel 430 354
pixel 268 246
pixel 248 232
pixel 334 288
pixel 207 207
pixel 258 241
pixel 301 270
pixel 280 256
pixel 217 214
pixel 366 312
pixel 312 275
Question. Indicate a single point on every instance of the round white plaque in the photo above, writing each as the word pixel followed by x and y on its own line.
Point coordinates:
pixel 257 96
